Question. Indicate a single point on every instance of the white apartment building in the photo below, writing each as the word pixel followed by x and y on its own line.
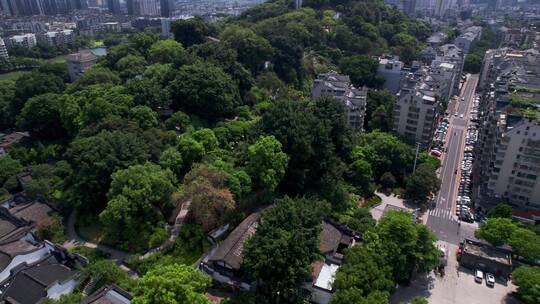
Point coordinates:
pixel 24 40
pixel 417 108
pixel 3 49
pixel 508 148
pixel 339 87
pixel 57 38
pixel 391 69
pixel 515 175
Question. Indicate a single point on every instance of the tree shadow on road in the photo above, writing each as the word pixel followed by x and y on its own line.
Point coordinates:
pixel 420 286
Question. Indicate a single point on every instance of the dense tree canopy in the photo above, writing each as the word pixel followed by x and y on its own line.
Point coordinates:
pixel 288 235
pixel 95 158
pixel 172 284
pixel 205 90
pixel 527 279
pixel 266 163
pixel 138 199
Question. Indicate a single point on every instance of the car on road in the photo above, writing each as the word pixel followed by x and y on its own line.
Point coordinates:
pixel 478 276
pixel 460 115
pixel 456 114
pixel 490 280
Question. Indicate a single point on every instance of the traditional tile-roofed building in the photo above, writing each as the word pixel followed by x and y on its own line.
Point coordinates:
pixel 80 62
pixel 52 276
pixel 226 260
pixel 110 294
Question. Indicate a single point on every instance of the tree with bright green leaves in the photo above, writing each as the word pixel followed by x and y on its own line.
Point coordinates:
pixel 527 279
pixel 266 162
pixel 313 138
pixel 171 159
pixel 130 66
pixel 207 138
pixel 144 117
pixel 7 93
pixel 106 272
pixel 191 150
pixel 149 92
pixel 179 122
pixel 525 243
pixel 95 158
pixel 419 300
pixel 191 31
pixel 387 153
pixel 9 167
pixel 95 75
pixel 205 90
pixel 379 110
pixel 42 117
pixel 363 273
pixel 33 84
pixel 473 63
pixel 500 211
pixel 359 220
pixel 166 51
pixel 497 231
pixel 252 49
pixel 355 296
pixel 361 171
pixel 143 41
pixel 362 70
pixel 287 235
pixel 172 284
pixel 422 183
pixel 405 246
pixel 138 199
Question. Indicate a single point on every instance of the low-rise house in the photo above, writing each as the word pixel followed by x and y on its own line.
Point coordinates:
pixel 437 39
pixel 483 256
pixel 224 264
pixel 110 294
pixel 54 275
pixel 8 140
pixel 80 62
pixel 339 87
pixel 334 239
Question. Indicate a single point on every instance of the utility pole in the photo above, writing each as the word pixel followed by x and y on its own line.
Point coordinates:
pixel 416 156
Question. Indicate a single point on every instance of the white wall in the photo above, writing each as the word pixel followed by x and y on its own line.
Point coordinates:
pixel 28 258
pixel 58 290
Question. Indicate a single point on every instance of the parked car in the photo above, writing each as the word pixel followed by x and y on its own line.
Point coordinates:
pixel 490 280
pixel 478 275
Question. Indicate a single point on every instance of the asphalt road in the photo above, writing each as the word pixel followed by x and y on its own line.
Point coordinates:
pixel 442 219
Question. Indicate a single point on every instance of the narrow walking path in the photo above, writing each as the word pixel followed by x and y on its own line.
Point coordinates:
pixel 74 240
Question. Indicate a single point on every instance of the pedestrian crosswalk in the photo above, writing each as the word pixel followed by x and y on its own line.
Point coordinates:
pixel 442 213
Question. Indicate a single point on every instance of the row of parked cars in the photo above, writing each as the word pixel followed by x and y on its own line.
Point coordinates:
pixel 464 204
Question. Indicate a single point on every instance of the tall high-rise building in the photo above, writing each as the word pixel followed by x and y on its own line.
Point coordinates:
pixel 167 8
pixel 143 7
pixel 114 7
pixel 3 49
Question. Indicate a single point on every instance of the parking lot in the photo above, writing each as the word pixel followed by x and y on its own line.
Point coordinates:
pixel 465 210
pixel 457 286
